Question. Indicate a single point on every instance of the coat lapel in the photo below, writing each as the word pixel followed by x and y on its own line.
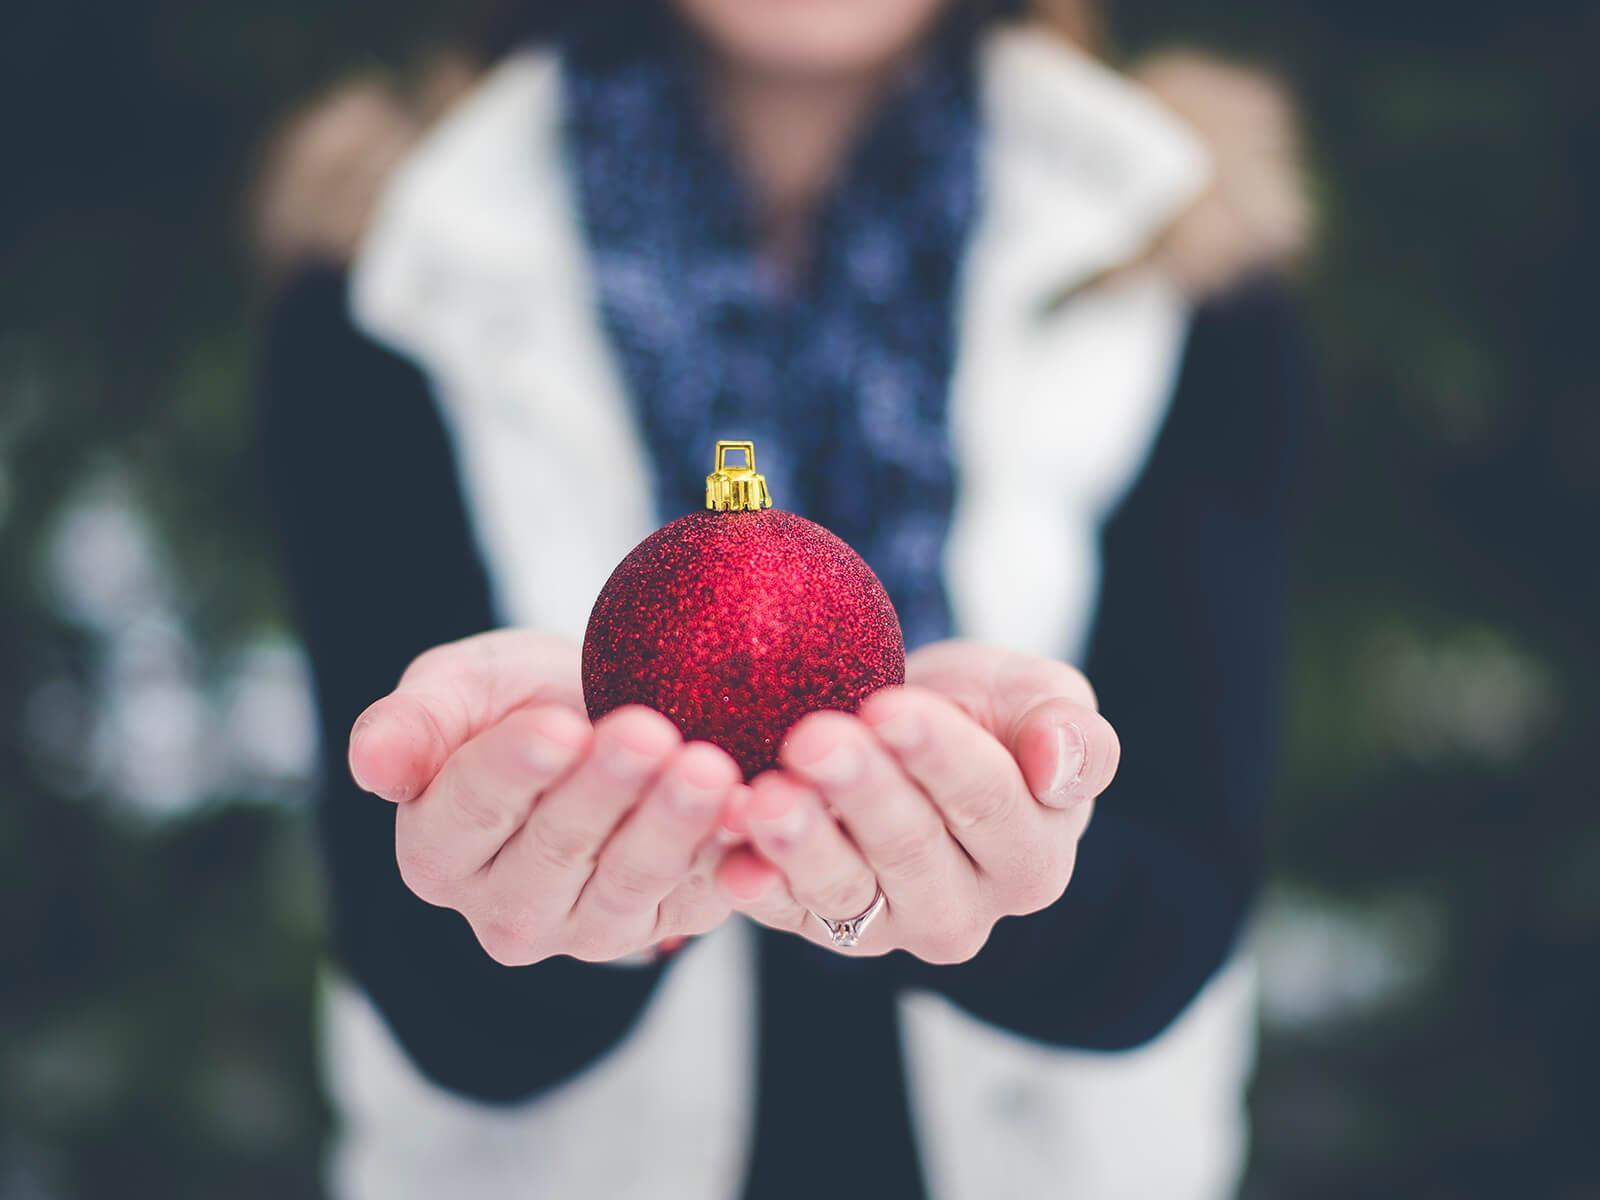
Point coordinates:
pixel 1054 405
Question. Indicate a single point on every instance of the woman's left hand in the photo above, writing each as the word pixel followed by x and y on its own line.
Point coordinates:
pixel 962 795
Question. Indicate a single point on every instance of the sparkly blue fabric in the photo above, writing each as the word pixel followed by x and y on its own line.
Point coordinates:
pixel 841 376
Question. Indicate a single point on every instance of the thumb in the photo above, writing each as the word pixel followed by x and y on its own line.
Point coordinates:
pixel 448 696
pixel 1067 753
pixel 1043 711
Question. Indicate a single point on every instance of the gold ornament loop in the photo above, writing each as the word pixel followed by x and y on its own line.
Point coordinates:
pixel 736 489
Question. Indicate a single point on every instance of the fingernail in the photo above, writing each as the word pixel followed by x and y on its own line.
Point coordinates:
pixel 363 724
pixel 731 826
pixel 366 724
pixel 901 730
pixel 546 754
pixel 839 765
pixel 779 817
pixel 693 799
pixel 1071 754
pixel 622 761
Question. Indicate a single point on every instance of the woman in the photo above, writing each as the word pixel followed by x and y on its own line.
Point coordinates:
pixel 992 312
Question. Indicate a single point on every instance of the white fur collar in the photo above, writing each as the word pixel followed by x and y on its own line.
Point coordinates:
pixel 1084 169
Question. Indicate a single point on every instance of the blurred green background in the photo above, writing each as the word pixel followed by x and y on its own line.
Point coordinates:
pixel 1430 944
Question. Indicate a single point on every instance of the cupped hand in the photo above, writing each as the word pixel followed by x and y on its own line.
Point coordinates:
pixel 549 835
pixel 962 795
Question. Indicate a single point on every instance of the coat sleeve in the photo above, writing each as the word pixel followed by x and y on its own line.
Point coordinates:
pixel 1185 658
pixel 381 564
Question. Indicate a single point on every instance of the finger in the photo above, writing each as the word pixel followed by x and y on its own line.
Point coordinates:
pixel 733 827
pixel 900 833
pixel 449 695
pixel 694 907
pixel 824 870
pixel 542 869
pixel 1043 711
pixel 995 686
pixel 654 849
pixel 483 795
pixel 1067 753
pixel 971 778
pixel 769 902
pixel 759 891
pixel 697 904
pixel 711 852
pixel 751 882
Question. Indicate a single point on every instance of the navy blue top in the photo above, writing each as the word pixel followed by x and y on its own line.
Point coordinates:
pixel 1184 656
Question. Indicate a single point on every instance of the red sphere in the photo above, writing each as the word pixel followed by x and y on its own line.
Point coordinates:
pixel 737 624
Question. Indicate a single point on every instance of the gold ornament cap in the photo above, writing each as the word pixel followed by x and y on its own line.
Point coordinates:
pixel 736 489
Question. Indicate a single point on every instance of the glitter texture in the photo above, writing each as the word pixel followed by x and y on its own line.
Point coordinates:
pixel 737 624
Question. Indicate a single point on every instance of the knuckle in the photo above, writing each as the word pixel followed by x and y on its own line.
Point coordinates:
pixel 434 659
pixel 911 852
pixel 1042 885
pixel 688 894
pixel 968 947
pixel 958 945
pixel 423 873
pixel 559 848
pixel 1057 680
pixel 597 947
pixel 613 903
pixel 638 880
pixel 479 811
pixel 624 888
pixel 1032 895
pixel 509 940
pixel 426 663
pixel 691 914
pixel 1076 685
pixel 448 659
pixel 986 804
pixel 844 895
pixel 1064 680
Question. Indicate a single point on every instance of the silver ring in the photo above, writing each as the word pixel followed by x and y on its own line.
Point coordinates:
pixel 845 934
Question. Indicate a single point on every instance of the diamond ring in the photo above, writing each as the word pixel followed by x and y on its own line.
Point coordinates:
pixel 847 933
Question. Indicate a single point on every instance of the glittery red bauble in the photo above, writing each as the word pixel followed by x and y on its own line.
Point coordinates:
pixel 737 624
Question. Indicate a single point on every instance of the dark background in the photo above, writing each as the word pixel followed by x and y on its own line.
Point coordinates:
pixel 1429 944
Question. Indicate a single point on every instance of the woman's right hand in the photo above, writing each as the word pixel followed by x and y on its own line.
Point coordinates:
pixel 551 836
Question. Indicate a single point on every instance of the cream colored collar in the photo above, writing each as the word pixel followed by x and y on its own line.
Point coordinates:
pixel 1082 168
pixel 1118 149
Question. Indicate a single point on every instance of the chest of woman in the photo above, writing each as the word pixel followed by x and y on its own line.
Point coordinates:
pixel 478 268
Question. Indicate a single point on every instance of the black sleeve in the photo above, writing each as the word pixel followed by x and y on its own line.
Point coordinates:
pixel 382 564
pixel 1185 657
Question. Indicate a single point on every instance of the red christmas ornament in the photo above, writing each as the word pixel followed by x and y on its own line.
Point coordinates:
pixel 738 621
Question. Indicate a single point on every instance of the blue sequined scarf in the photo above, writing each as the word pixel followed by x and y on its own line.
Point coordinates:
pixel 842 376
